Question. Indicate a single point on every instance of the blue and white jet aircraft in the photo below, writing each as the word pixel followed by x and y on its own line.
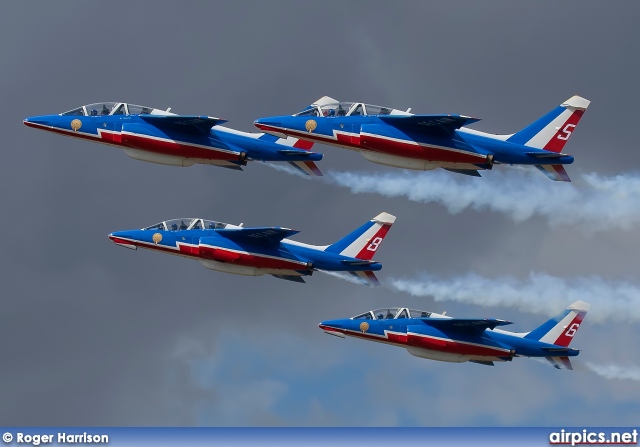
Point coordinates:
pixel 400 139
pixel 437 337
pixel 263 250
pixel 159 136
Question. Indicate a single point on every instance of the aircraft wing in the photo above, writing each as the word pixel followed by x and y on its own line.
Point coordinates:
pixel 465 324
pixel 183 123
pixel 269 235
pixel 433 124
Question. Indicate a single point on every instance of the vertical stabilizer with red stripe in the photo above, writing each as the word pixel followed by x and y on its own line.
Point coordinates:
pixel 365 241
pixel 552 131
pixel 561 329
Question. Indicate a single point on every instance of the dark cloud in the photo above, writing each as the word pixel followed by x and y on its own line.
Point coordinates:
pixel 96 335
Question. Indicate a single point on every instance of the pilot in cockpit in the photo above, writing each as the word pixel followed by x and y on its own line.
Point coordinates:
pixel 340 111
pixel 105 111
pixel 329 112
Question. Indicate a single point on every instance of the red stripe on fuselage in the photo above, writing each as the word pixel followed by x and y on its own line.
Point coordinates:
pixel 175 148
pixel 250 259
pixel 219 254
pixel 418 151
pixel 453 346
pixel 426 342
pixel 376 143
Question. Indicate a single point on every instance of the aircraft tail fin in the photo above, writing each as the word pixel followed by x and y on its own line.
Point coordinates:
pixel 552 131
pixel 561 329
pixel 363 242
pixel 554 172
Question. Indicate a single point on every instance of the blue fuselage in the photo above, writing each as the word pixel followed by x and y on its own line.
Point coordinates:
pixel 427 341
pixel 209 245
pixel 172 145
pixel 372 134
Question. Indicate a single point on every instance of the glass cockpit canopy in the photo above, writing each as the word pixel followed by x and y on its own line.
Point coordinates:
pixel 392 313
pixel 187 223
pixel 114 108
pixel 330 107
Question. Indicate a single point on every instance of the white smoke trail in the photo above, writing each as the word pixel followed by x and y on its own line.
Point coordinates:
pixel 343 276
pixel 540 293
pixel 598 203
pixel 616 372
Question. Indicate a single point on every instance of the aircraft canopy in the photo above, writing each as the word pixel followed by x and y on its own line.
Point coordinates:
pixel 393 313
pixel 188 223
pixel 115 108
pixel 327 106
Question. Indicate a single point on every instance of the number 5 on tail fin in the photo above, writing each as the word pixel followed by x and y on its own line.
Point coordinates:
pixel 551 133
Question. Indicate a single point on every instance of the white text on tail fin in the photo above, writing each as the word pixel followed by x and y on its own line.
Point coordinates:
pixel 365 241
pixel 552 131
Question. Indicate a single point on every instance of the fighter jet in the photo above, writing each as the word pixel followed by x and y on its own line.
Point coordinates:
pixel 159 136
pixel 397 138
pixel 263 250
pixel 438 337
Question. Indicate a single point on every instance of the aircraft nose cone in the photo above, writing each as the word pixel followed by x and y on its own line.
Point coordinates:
pixel 266 122
pixel 32 121
pixel 331 324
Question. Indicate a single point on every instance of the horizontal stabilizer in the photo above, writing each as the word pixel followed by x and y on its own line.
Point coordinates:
pixel 465 324
pixel 270 235
pixel 368 278
pixel 293 152
pixel 546 154
pixel 560 363
pixel 293 278
pixel 357 262
pixel 471 172
pixel 183 123
pixel 232 167
pixel 432 124
pixel 306 167
pixel 560 350
pixel 483 362
pixel 554 172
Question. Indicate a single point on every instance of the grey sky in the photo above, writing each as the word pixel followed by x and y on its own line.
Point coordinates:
pixel 93 334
